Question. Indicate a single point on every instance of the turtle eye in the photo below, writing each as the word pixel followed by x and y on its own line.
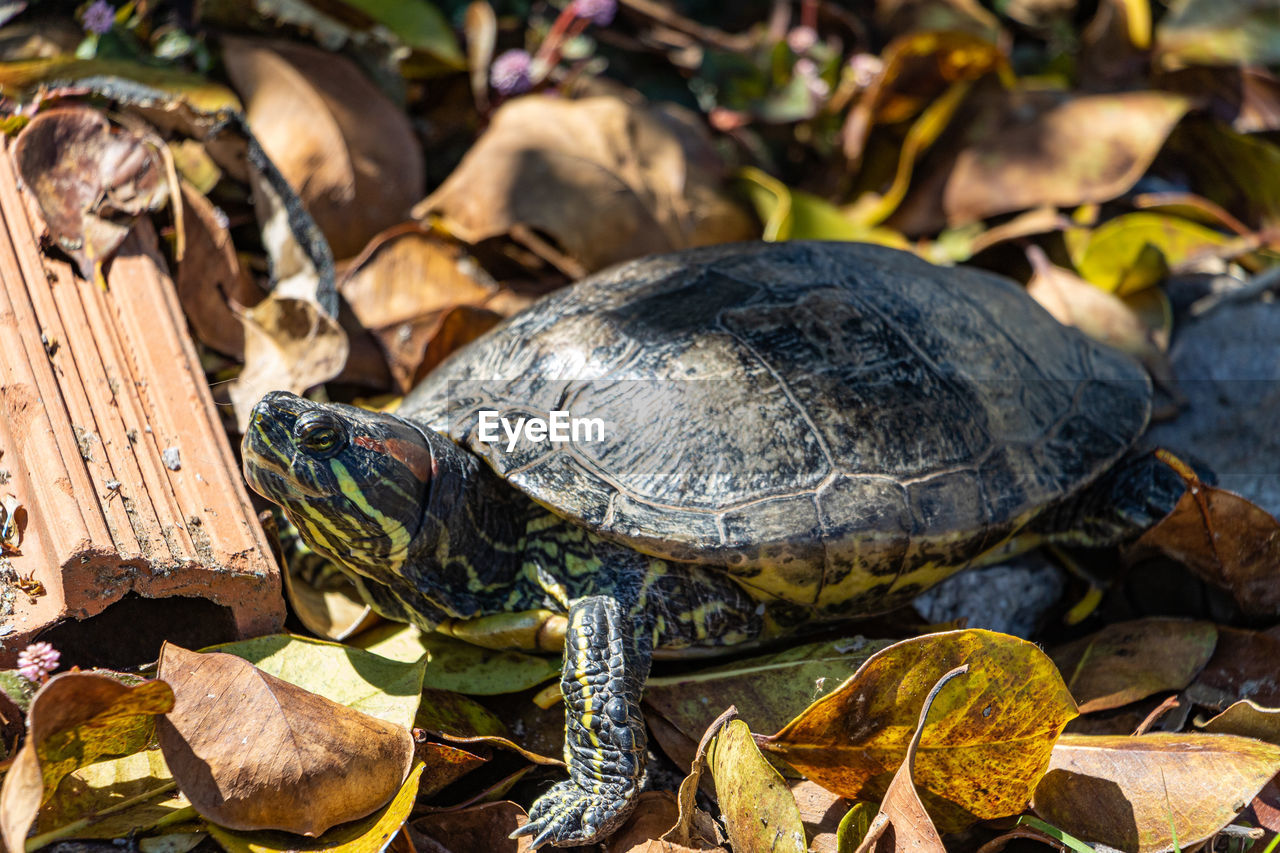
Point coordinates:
pixel 320 434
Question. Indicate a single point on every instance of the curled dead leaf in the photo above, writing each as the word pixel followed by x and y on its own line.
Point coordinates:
pixel 421 297
pixel 902 824
pixel 13 522
pixel 1223 538
pixel 75 719
pixel 290 344
pixel 91 180
pixel 254 752
pixel 606 180
pixel 1125 323
pixel 347 150
pixel 210 282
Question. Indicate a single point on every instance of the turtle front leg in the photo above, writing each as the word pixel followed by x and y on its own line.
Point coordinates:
pixel 605 666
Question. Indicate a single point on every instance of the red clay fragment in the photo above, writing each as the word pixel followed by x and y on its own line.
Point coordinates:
pixel 110 441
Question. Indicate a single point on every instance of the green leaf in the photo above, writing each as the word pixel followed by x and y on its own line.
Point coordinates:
pixel 91 798
pixel 380 687
pixel 417 23
pixel 758 809
pixel 769 690
pixel 462 720
pixel 1136 250
pixel 796 215
pixel 461 667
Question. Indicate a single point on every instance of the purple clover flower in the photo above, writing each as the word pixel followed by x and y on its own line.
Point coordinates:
pixel 37 660
pixel 511 74
pixel 99 18
pixel 598 12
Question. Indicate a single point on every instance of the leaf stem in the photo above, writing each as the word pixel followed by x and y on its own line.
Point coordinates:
pixel 35 842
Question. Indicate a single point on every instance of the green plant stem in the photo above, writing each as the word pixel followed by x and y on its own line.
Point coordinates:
pixel 37 841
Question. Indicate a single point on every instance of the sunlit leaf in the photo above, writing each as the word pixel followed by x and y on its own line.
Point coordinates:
pixel 75 719
pixel 252 751
pixel 361 680
pixel 755 803
pixel 1128 661
pixel 852 740
pixel 1133 793
pixel 1136 250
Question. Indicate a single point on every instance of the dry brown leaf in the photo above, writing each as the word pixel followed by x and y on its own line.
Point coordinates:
pixel 13 524
pixel 1128 661
pixel 1133 793
pixel 485 827
pixel 254 752
pixel 346 149
pixel 75 719
pixel 290 344
pixel 92 180
pixel 656 812
pixel 1102 316
pixel 405 288
pixel 1033 148
pixel 821 812
pixel 606 180
pixel 1243 666
pixel 902 824
pixel 1224 539
pixel 210 281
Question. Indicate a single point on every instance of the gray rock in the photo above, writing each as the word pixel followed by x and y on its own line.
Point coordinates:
pixel 1012 597
pixel 1227 363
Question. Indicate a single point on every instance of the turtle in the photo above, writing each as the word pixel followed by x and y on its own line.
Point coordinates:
pixel 774 437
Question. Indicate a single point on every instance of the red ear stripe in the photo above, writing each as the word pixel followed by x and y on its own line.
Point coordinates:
pixel 414 456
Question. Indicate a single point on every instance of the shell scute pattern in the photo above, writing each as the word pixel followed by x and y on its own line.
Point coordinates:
pixel 825 421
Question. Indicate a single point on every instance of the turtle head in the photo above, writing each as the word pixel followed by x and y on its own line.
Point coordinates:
pixel 354 482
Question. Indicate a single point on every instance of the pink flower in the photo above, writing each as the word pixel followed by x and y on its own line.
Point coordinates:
pixel 599 12
pixel 99 17
pixel 802 39
pixel 37 660
pixel 510 72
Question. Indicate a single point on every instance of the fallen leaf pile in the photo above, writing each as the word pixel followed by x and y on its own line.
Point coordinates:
pixel 348 191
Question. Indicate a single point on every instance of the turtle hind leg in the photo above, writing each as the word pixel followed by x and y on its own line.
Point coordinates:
pixel 1136 493
pixel 605 666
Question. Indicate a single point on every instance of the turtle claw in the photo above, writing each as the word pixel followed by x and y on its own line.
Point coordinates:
pixel 567 816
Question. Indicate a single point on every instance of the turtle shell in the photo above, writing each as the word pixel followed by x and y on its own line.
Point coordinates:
pixel 836 424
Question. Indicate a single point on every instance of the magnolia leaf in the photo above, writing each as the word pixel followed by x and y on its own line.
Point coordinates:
pixel 1224 539
pixel 461 720
pixel 484 827
pixel 1247 719
pixel 91 180
pixel 901 810
pixel 1137 250
pixel 363 681
pixel 771 689
pixel 1219 32
pixel 1128 661
pixel 75 719
pixel 790 214
pixel 252 751
pixel 982 756
pixel 1034 148
pixel 85 794
pixel 756 805
pixel 347 150
pixel 655 812
pixel 606 180
pixel 1135 793
pixel 1243 666
pixel 461 667
pixel 443 765
pixel 371 834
